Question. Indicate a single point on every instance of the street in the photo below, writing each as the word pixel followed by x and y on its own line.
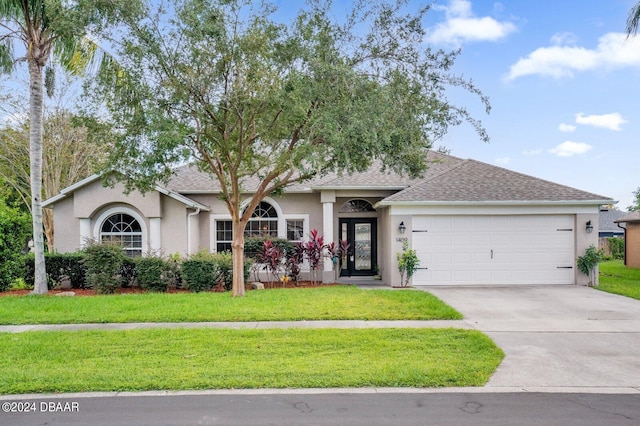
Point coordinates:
pixel 443 409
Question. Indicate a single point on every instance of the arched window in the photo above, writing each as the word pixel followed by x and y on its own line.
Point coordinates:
pixel 357 206
pixel 263 222
pixel 124 230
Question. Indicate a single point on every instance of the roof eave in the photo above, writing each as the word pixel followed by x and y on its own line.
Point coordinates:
pixel 495 203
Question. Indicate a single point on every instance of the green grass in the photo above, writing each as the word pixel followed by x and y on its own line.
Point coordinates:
pixel 324 303
pixel 617 278
pixel 180 359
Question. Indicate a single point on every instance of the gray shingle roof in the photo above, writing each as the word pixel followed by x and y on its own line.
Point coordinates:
pixel 447 179
pixel 606 221
pixel 188 179
pixel 631 217
pixel 475 181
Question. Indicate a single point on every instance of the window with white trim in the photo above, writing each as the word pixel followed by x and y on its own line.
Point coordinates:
pixel 224 235
pixel 263 222
pixel 124 230
pixel 295 229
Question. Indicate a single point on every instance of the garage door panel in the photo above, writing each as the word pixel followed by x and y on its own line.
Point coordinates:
pixel 487 250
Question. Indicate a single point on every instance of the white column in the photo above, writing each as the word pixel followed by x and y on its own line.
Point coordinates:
pixel 85 232
pixel 328 199
pixel 155 235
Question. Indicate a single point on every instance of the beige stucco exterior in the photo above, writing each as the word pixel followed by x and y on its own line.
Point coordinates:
pixel 185 222
pixel 632 244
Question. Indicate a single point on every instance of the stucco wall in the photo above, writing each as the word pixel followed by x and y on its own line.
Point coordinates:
pixel 94 196
pixel 632 244
pixel 66 227
pixel 174 227
pixel 584 240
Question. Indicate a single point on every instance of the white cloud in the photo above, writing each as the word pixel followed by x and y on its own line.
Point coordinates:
pixel 614 50
pixel 569 149
pixel 503 160
pixel 462 25
pixel 532 152
pixel 567 128
pixel 611 121
pixel 560 39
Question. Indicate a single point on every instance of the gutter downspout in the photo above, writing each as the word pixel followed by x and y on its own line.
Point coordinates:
pixel 189 216
pixel 625 242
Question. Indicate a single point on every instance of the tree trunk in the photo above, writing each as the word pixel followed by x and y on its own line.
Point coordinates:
pixel 237 249
pixel 35 155
pixel 47 222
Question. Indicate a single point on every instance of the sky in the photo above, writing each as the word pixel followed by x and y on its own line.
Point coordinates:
pixel 563 81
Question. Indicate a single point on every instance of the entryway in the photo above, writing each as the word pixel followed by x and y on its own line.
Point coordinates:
pixel 361 235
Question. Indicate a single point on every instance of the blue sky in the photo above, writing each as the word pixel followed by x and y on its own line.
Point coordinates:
pixel 563 81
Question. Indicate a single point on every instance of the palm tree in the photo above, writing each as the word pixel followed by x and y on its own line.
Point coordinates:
pixel 633 20
pixel 49 28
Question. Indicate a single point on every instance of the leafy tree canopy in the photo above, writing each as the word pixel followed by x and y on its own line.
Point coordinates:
pixel 636 201
pixel 226 85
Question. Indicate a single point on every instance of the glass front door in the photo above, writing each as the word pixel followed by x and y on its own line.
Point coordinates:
pixel 361 236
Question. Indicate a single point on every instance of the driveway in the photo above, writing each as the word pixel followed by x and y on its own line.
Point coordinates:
pixel 555 336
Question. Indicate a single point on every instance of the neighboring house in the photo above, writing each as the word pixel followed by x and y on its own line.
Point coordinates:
pixel 607 227
pixel 631 225
pixel 471 223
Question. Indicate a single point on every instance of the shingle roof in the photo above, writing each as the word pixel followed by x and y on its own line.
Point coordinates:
pixel 447 179
pixel 188 179
pixel 631 217
pixel 606 221
pixel 475 181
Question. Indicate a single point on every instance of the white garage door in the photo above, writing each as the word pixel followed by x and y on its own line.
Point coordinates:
pixel 494 250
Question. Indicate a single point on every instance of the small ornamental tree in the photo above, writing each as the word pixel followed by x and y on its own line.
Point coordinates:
pixel 408 263
pixel 225 85
pixel 589 261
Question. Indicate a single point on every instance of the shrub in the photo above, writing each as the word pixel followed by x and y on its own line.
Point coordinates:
pixel 587 263
pixel 127 273
pixel 200 274
pixel 66 266
pixel 408 262
pixel 616 246
pixel 15 229
pixel 152 273
pixel 313 250
pixel 253 246
pixel 103 262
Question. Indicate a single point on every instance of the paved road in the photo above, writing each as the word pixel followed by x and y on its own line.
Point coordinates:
pixel 370 409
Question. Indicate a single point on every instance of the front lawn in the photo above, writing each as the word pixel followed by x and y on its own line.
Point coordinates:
pixel 617 278
pixel 323 303
pixel 178 359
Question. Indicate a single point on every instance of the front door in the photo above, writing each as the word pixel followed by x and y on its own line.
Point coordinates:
pixel 361 236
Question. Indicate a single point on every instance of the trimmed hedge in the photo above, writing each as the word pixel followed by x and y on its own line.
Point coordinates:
pixel 152 273
pixel 60 266
pixel 200 274
pixel 103 262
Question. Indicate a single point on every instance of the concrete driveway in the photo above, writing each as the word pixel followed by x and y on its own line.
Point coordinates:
pixel 555 336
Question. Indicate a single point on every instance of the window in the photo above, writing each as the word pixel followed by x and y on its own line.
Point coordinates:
pixel 295 229
pixel 224 235
pixel 263 222
pixel 123 230
pixel 357 206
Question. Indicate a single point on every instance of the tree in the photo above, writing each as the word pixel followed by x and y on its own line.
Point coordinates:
pixel 636 201
pixel 225 85
pixel 73 148
pixel 633 20
pixel 46 28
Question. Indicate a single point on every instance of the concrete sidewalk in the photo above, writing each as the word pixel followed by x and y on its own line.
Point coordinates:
pixel 237 325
